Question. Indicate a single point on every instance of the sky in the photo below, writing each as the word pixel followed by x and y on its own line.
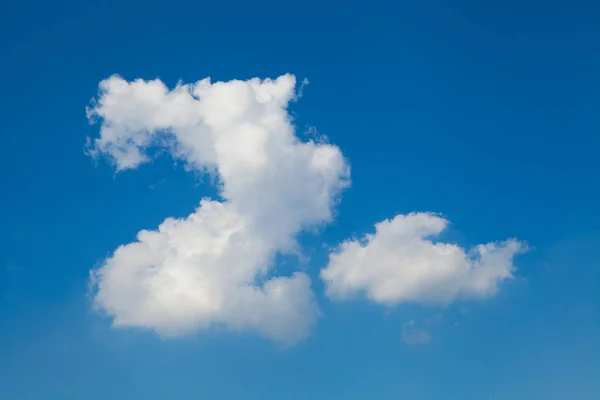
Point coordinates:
pixel 300 200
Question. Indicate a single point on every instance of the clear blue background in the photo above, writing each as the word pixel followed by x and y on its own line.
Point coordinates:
pixel 486 111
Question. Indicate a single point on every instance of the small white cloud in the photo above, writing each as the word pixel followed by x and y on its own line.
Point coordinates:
pixel 401 263
pixel 300 91
pixel 213 267
pixel 412 335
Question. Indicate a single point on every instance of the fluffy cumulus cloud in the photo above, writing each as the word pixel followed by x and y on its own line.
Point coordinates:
pixel 212 267
pixel 401 262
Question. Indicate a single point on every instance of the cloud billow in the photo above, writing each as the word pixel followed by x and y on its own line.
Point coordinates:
pixel 214 267
pixel 400 262
pixel 205 269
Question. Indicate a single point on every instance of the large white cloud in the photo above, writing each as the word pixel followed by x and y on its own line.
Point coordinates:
pixel 400 262
pixel 212 268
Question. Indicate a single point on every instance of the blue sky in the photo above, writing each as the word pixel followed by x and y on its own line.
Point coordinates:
pixel 485 114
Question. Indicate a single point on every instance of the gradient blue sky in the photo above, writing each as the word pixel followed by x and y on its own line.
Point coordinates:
pixel 486 112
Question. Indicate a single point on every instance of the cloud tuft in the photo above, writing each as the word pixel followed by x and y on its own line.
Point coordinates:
pixel 412 335
pixel 401 263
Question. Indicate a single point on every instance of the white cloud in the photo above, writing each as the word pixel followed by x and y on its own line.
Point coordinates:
pixel 412 335
pixel 212 267
pixel 401 263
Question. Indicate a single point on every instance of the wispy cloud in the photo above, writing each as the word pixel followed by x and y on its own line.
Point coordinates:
pixel 413 335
